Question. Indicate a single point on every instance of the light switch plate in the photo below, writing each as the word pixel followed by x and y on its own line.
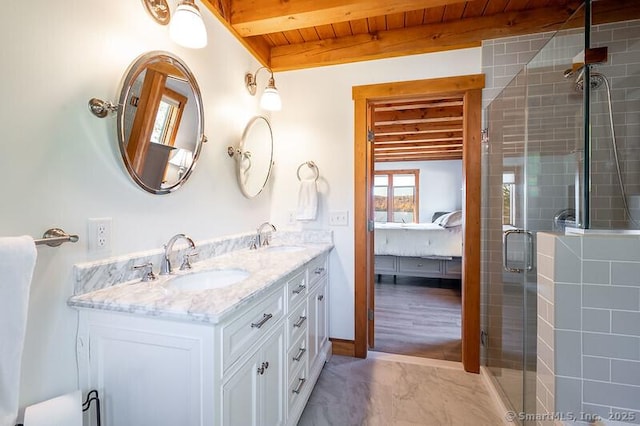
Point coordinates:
pixel 339 218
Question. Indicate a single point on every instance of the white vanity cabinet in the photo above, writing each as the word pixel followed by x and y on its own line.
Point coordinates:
pixel 256 367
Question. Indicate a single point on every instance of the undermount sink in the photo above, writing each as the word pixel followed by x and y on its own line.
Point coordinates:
pixel 284 249
pixel 207 280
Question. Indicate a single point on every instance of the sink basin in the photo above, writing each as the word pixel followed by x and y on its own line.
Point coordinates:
pixel 284 249
pixel 206 280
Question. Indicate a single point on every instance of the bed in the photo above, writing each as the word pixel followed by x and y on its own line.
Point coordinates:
pixel 431 250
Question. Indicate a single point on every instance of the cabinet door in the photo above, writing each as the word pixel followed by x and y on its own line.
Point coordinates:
pixel 272 381
pixel 254 394
pixel 240 395
pixel 322 314
pixel 313 325
pixel 129 369
pixel 318 326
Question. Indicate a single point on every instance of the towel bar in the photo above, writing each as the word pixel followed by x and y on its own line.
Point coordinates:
pixel 54 237
pixel 312 166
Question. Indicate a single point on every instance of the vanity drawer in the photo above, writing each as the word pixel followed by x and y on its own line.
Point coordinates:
pixel 244 331
pixel 296 290
pixel 297 387
pixel 297 323
pixel 317 268
pixel 297 355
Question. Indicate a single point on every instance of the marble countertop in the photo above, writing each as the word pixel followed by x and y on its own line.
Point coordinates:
pixel 156 299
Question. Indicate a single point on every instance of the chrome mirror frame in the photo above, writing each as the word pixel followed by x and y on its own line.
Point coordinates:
pixel 242 153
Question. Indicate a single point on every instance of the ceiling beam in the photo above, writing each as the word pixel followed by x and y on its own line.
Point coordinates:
pixel 418 137
pixel 257 17
pixel 454 112
pixel 418 149
pixel 420 157
pixel 399 106
pixel 395 129
pixel 442 143
pixel 415 40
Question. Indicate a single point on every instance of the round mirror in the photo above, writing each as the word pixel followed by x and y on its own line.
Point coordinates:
pixel 254 156
pixel 160 122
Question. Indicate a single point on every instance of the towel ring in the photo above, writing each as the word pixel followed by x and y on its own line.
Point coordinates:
pixel 311 165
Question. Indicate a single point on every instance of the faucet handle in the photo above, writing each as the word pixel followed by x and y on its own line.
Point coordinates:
pixel 254 244
pixel 147 271
pixel 186 260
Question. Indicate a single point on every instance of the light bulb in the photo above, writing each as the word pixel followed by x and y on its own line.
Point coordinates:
pixel 187 27
pixel 270 99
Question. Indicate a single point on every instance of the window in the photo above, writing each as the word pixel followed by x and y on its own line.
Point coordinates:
pixel 508 198
pixel 401 187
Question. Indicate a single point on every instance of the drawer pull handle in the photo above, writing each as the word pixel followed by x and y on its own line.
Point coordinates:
pixel 318 271
pixel 301 352
pixel 263 367
pixel 300 322
pixel 299 387
pixel 321 297
pixel 299 289
pixel 265 318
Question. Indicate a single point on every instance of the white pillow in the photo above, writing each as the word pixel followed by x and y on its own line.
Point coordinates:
pixel 450 220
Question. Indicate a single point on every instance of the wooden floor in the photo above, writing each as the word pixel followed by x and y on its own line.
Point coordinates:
pixel 419 317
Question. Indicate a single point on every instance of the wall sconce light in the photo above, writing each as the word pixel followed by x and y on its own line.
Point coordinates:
pixel 270 99
pixel 186 27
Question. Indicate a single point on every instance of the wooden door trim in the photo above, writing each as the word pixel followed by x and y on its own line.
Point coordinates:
pixel 470 87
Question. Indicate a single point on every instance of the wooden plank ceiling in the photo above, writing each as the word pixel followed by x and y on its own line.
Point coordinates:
pixel 296 34
pixel 418 130
pixel 293 34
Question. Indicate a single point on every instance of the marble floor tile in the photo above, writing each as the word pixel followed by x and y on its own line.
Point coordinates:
pixel 396 390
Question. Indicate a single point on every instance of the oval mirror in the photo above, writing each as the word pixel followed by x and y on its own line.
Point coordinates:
pixel 160 122
pixel 254 156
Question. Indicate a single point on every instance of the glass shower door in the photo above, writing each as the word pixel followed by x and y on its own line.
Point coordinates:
pixel 532 184
pixel 510 257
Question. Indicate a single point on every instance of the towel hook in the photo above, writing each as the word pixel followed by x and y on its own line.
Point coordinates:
pixel 312 166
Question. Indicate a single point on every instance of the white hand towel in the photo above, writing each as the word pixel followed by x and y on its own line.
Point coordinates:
pixel 17 260
pixel 307 200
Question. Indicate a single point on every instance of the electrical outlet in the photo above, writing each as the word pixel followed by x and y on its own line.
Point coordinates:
pixel 339 218
pixel 99 234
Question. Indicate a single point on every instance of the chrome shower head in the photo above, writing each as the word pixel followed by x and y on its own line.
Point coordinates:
pixel 596 79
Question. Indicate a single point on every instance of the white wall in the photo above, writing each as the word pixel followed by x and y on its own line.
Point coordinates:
pixel 61 164
pixel 316 123
pixel 440 184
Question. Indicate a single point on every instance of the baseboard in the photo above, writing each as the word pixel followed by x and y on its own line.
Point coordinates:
pixel 344 347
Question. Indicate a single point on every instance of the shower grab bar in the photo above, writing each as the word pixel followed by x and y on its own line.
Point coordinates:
pixel 505 260
pixel 55 236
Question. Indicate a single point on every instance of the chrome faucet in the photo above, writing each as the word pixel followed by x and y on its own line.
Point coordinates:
pixel 261 240
pixel 165 265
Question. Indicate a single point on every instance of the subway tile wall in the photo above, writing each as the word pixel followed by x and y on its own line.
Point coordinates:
pixel 622 71
pixel 590 362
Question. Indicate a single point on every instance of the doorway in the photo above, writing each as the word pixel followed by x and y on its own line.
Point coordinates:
pixel 469 89
pixel 417 149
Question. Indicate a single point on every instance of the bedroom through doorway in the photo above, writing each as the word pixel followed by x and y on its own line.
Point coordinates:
pixel 417 209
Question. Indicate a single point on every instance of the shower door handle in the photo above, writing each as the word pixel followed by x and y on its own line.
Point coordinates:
pixel 529 263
